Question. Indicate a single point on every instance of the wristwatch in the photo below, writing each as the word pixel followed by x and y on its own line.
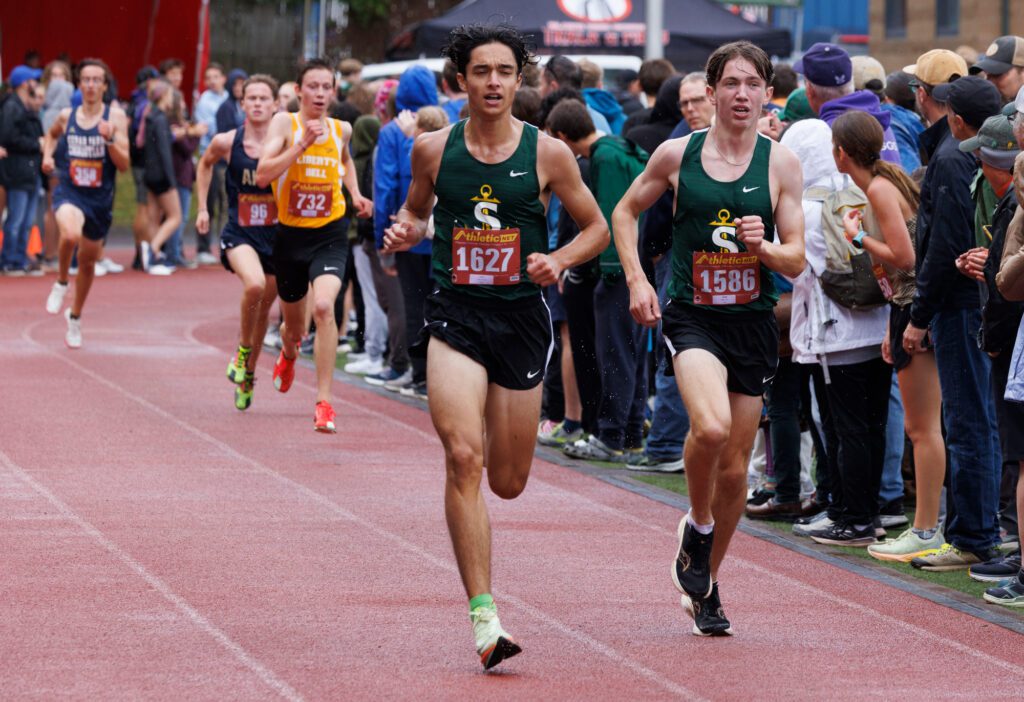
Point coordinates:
pixel 858 241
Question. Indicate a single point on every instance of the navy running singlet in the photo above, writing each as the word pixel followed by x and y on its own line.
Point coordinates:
pixel 250 208
pixel 83 165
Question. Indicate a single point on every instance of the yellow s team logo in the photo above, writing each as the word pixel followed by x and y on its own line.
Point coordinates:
pixel 724 234
pixel 487 208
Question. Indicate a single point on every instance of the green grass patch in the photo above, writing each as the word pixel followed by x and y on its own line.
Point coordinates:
pixel 672 482
pixel 124 203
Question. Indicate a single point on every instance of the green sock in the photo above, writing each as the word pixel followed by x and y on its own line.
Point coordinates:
pixel 484 600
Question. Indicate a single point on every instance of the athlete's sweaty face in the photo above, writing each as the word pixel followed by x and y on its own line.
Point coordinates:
pixel 258 103
pixel 92 80
pixel 316 91
pixel 740 94
pixel 491 79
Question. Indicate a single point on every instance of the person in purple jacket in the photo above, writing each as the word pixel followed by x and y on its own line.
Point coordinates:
pixel 828 74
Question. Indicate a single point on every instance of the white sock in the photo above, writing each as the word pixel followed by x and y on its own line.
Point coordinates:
pixel 701 528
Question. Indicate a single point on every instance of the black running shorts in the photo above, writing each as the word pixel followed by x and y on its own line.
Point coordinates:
pixel 512 340
pixel 747 343
pixel 302 255
pixel 261 240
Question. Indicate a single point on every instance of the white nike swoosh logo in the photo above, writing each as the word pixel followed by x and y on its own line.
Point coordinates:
pixel 750 190
pixel 768 379
pixel 513 174
pixel 532 375
pixel 330 268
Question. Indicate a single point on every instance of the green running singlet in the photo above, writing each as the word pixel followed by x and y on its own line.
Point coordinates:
pixel 709 268
pixel 477 250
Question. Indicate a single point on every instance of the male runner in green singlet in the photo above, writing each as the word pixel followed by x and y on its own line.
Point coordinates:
pixel 489 330
pixel 738 216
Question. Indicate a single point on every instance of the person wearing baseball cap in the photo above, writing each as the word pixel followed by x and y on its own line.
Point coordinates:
pixel 20 130
pixel 868 74
pixel 828 76
pixel 22 74
pixel 1003 64
pixel 947 304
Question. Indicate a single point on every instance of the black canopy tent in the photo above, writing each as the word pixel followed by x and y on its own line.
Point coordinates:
pixel 693 28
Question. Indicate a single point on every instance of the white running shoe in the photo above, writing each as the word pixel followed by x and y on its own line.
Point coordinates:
pixel 55 300
pixel 109 265
pixel 145 254
pixel 73 338
pixel 493 644
pixel 99 270
pixel 366 366
pixel 205 258
pixel 160 269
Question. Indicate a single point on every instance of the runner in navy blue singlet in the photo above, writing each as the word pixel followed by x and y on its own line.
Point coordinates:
pixel 85 145
pixel 247 241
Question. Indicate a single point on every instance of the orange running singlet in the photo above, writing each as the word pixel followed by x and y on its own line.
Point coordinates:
pixel 308 194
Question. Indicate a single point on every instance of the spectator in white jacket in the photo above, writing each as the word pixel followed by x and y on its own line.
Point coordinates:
pixel 844 347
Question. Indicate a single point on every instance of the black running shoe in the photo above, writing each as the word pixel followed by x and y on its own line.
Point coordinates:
pixel 760 496
pixel 708 616
pixel 996 570
pixel 691 570
pixel 846 535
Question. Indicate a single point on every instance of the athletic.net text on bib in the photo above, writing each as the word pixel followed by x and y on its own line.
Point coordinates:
pixel 485 256
pixel 256 210
pixel 725 278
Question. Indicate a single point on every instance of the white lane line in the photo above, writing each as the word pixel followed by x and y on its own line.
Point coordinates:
pixel 640 522
pixel 179 603
pixel 591 643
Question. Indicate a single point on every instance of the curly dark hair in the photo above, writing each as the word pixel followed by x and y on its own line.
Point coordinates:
pixel 464 38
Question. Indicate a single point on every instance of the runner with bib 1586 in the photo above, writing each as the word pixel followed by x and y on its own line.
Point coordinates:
pixel 247 242
pixel 306 159
pixel 488 330
pixel 85 145
pixel 735 190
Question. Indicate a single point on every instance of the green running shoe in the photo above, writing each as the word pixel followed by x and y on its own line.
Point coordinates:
pixel 243 393
pixel 237 366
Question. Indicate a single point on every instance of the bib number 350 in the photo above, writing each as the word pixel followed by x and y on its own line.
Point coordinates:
pixel 725 278
pixel 485 256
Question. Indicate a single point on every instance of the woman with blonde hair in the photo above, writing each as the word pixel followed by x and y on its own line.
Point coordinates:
pixel 886 229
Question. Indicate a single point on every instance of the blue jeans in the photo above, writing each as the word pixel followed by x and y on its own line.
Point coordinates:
pixel 173 249
pixel 21 211
pixel 892 474
pixel 972 438
pixel 670 423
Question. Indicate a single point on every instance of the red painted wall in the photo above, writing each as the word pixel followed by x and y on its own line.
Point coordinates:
pixel 113 30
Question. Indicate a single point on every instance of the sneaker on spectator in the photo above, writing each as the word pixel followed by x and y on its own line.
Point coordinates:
pixel 205 258
pixel 1009 542
pixel 905 547
pixel 891 515
pixel 655 464
pixel 416 390
pixel 366 366
pixel 634 456
pixel 809 525
pixel 13 271
pixel 110 265
pixel 34 269
pixel 272 339
pixel 157 266
pixel 760 496
pixel 308 344
pixel 593 449
pixel 55 300
pixel 554 434
pixel 773 509
pixel 387 375
pixel 187 263
pixel 840 534
pixel 948 557
pixel 50 265
pixel 1009 593
pixel 402 381
pixel 996 570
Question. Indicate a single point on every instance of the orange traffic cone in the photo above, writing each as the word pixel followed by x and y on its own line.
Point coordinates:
pixel 35 242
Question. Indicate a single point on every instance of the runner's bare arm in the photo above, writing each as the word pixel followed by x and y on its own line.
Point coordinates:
pixel 411 222
pixel 644 192
pixel 51 137
pixel 276 157
pixel 561 173
pixel 363 205
pixel 787 256
pixel 219 148
pixel 117 139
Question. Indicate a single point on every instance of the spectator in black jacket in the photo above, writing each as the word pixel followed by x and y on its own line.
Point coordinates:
pixel 20 132
pixel 159 177
pixel 662 120
pixel 229 114
pixel 946 304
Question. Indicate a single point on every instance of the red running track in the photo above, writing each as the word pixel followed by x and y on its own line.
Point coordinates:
pixel 159 544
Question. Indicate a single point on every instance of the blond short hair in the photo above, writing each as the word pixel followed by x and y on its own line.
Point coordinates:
pixel 591 74
pixel 431 119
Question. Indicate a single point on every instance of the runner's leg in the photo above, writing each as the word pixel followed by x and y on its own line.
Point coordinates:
pixel 70 221
pixel 511 420
pixel 457 410
pixel 89 252
pixel 262 320
pixel 246 263
pixel 325 292
pixel 702 382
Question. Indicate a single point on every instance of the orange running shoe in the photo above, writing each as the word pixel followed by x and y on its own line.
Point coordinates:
pixel 284 372
pixel 323 420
